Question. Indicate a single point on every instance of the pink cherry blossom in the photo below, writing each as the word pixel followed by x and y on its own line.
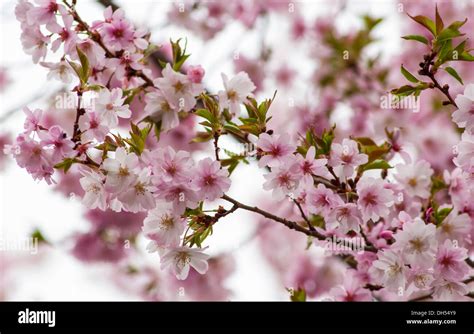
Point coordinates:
pixel 160 109
pixel 417 243
pixel 464 116
pixel 211 180
pixel 92 127
pixel 170 166
pixel 236 91
pixel 178 89
pixel 389 270
pixel 95 194
pixel 34 43
pixel 345 157
pixel 66 35
pixel 163 227
pixel 321 200
pixel 283 180
pixel 310 166
pixel 351 291
pixel 33 119
pixel 45 13
pixel 60 71
pixel 62 146
pixel 120 170
pixel 374 199
pixel 275 149
pixel 125 62
pixel 139 195
pixel 455 227
pixel 465 152
pixel 450 262
pixel 180 259
pixel 344 217
pixel 109 105
pixel 415 178
pixel 450 291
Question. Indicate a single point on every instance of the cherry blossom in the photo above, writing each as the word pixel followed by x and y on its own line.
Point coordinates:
pixel 374 199
pixel 275 149
pixel 390 270
pixel 109 105
pixel 417 243
pixel 211 180
pixel 345 157
pixel 95 194
pixel 160 109
pixel 415 178
pixel 120 170
pixel 180 259
pixel 236 91
pixel 322 200
pixel 464 116
pixel 450 263
pixel 178 89
pixel 163 227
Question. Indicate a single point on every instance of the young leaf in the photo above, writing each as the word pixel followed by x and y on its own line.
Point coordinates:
pixel 410 77
pixel 377 164
pixel 454 74
pixel 439 22
pixel 425 22
pixel 418 38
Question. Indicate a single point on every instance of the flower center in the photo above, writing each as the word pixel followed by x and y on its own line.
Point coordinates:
pixel 167 222
pixel 182 259
pixel 232 95
pixel 417 244
pixel 178 87
pixel 370 199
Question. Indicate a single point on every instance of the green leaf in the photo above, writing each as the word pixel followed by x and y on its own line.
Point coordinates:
pixel 425 22
pixel 206 114
pixel 298 295
pixel 376 164
pixel 410 77
pixel 457 24
pixel 65 164
pixel 366 141
pixel 440 215
pixel 38 235
pixel 448 33
pixel 85 73
pixel 439 22
pixel 454 74
pixel 418 38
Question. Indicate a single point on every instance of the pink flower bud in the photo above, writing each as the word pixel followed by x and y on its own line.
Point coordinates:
pixel 387 235
pixel 195 74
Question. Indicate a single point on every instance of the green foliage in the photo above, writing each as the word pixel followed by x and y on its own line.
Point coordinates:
pixel 440 214
pixel 137 138
pixel 298 295
pixel 66 164
pixel 321 143
pixel 83 71
pixel 179 55
pixel 440 52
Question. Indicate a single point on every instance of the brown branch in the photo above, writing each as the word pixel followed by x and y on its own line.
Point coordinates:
pixel 288 223
pixel 429 69
pixel 298 205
